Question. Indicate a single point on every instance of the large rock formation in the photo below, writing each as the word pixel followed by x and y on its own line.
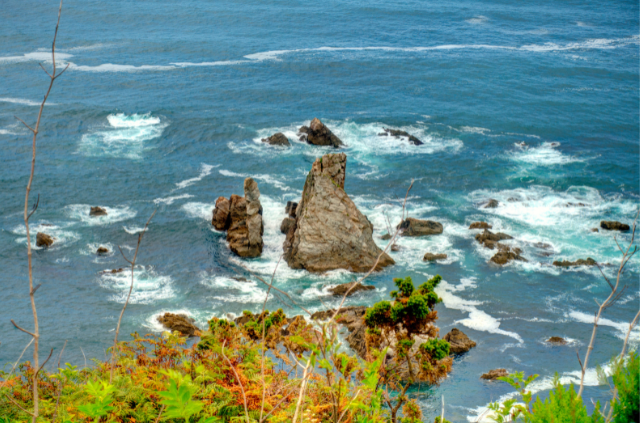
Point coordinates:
pixel 417 227
pixel 318 134
pixel 614 226
pixel 460 343
pixel 242 218
pixel 43 240
pixel 329 231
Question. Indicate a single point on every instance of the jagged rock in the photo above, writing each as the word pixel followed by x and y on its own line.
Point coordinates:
pixel 287 224
pixel 246 228
pixel 614 226
pixel 490 239
pixel 386 236
pixel 43 240
pixel 97 211
pixel 460 343
pixel 398 133
pixel 102 250
pixel 221 219
pixel 494 374
pixel 290 209
pixel 417 227
pixel 277 139
pixel 506 254
pixel 434 257
pixel 330 232
pixel 342 289
pixel 480 225
pixel 318 134
pixel 179 322
pixel 492 204
pixel 580 262
pixel 557 340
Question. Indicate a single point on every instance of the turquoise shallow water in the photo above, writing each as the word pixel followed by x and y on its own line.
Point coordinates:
pixel 164 105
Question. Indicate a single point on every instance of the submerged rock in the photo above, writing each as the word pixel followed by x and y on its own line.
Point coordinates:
pixel 318 134
pixel 277 139
pixel 43 240
pixel 557 340
pixel 494 374
pixel 614 226
pixel 490 239
pixel 460 343
pixel 329 231
pixel 398 133
pixel 480 225
pixel 179 322
pixel 97 211
pixel 580 262
pixel 434 257
pixel 417 227
pixel 492 204
pixel 102 250
pixel 507 254
pixel 112 271
pixel 220 219
pixel 351 287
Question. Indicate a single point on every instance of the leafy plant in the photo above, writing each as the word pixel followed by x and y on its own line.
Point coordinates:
pixel 626 380
pixel 102 392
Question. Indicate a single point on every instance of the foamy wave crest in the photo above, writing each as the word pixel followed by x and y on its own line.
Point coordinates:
pixel 110 67
pixel 38 56
pixel 170 200
pixel 478 20
pixel 60 233
pixel 148 286
pixel 24 101
pixel 204 172
pixel 621 327
pixel 546 154
pixel 80 212
pixel 264 178
pixel 125 137
pixel 231 290
pixel 134 230
pixel 199 210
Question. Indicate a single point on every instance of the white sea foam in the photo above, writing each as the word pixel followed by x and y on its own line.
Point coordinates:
pixel 80 212
pixel 61 234
pixel 148 286
pixel 199 210
pixel 217 63
pixel 170 200
pixel 204 172
pixel 134 230
pixel 264 178
pixel 39 56
pixel 621 327
pixel 24 101
pixel 110 67
pixel 125 136
pixel 201 318
pixel 234 291
pixel 91 249
pixel 546 154
pixel 478 20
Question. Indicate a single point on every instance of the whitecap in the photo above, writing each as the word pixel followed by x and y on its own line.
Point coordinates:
pixel 80 212
pixel 199 210
pixel 110 67
pixel 546 154
pixel 24 102
pixel 478 20
pixel 134 230
pixel 204 172
pixel 148 286
pixel 125 136
pixel 234 290
pixel 621 327
pixel 170 200
pixel 264 178
pixel 39 56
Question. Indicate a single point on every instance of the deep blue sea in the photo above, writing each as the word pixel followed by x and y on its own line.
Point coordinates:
pixel 535 104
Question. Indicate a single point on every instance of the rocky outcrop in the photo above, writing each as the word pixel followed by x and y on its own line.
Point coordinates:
pixel 506 254
pixel 351 288
pixel 459 342
pixel 580 262
pixel 290 220
pixel 480 225
pixel 43 240
pixel 490 239
pixel 97 211
pixel 102 250
pixel 492 204
pixel 318 134
pixel 614 226
pixel 329 231
pixel 220 219
pixel 434 257
pixel 557 340
pixel 398 134
pixel 180 323
pixel 277 139
pixel 417 227
pixel 494 374
pixel 241 217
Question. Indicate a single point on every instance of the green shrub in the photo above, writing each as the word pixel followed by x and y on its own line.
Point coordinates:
pixel 436 348
pixel 379 314
pixel 563 406
pixel 625 379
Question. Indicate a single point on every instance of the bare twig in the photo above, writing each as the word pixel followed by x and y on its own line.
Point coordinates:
pixel 133 265
pixel 20 358
pixel 160 414
pixel 244 396
pixel 442 414
pixel 303 386
pixel 24 330
pixel 45 362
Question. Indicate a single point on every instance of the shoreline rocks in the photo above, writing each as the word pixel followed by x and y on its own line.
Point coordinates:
pixel 480 225
pixel 241 217
pixel 506 254
pixel 318 134
pixel 43 240
pixel 434 257
pixel 179 322
pixel 417 227
pixel 580 262
pixel 277 139
pixel 494 374
pixel 97 211
pixel 329 231
pixel 398 134
pixel 342 289
pixel 611 225
pixel 458 341
pixel 490 239
pixel 290 220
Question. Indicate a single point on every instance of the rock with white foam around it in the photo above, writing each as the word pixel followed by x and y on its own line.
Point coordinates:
pixel 458 341
pixel 97 211
pixel 277 139
pixel 417 227
pixel 329 231
pixel 614 226
pixel 398 133
pixel 318 134
pixel 43 240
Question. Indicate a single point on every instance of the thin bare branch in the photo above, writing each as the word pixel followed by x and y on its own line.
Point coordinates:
pixel 45 362
pixel 18 405
pixel 24 330
pixel 20 358
pixel 123 256
pixel 244 396
pixel 160 414
pixel 25 124
pixel 45 71
pixel 62 71
pixel 35 207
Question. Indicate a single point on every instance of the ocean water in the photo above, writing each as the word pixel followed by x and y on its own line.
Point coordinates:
pixel 163 107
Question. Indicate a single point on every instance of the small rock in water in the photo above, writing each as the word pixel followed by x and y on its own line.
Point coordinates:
pixel 480 225
pixel 112 271
pixel 398 133
pixel 507 254
pixel 434 257
pixel 342 289
pixel 417 227
pixel 386 236
pixel 277 139
pixel 492 204
pixel 490 239
pixel 102 250
pixel 581 262
pixel 459 342
pixel 43 240
pixel 614 226
pixel 318 134
pixel 595 230
pixel 97 211
pixel 179 322
pixel 494 374
pixel 557 340
pixel 395 247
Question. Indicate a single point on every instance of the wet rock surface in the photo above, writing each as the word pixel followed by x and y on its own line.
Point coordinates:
pixel 351 288
pixel 506 254
pixel 102 250
pixel 418 227
pixel 318 134
pixel 43 240
pixel 614 226
pixel 490 239
pixel 460 343
pixel 220 219
pixel 494 374
pixel 179 322
pixel 277 139
pixel 434 257
pixel 97 211
pixel 580 262
pixel 491 204
pixel 557 340
pixel 329 231
pixel 480 225
pixel 399 134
